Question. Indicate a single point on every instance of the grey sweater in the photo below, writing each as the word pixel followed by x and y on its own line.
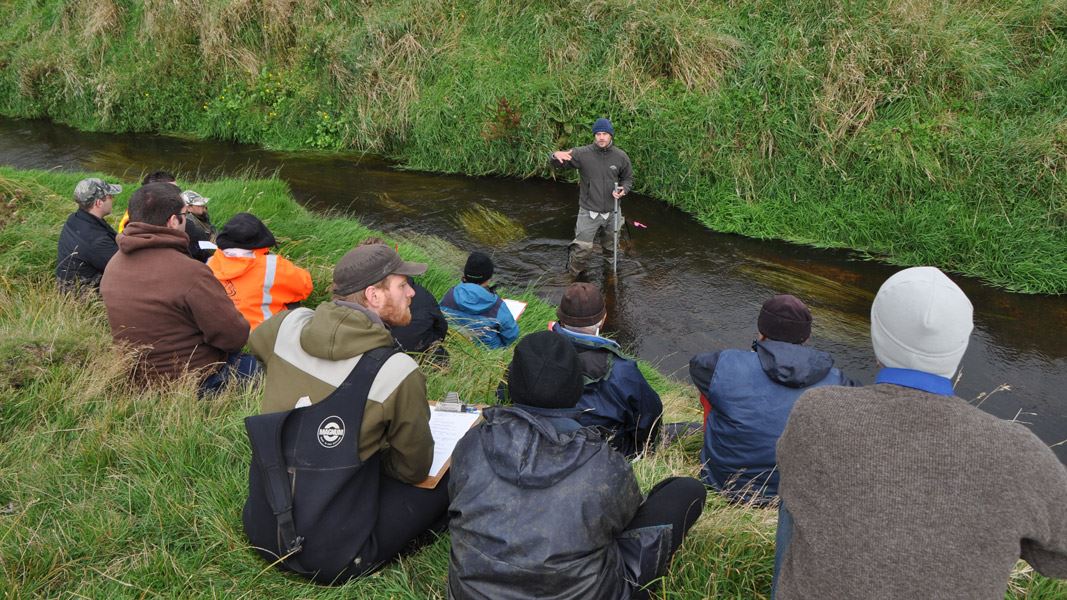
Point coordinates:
pixel 600 170
pixel 899 493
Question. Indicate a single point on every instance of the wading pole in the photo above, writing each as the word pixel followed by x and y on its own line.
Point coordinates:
pixel 615 254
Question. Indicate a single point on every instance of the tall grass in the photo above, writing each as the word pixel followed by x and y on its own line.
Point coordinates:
pixel 110 491
pixel 916 132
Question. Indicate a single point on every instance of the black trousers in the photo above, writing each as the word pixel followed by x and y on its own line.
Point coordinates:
pixel 408 517
pixel 676 501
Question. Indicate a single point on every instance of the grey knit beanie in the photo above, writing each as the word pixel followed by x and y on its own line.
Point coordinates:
pixel 921 320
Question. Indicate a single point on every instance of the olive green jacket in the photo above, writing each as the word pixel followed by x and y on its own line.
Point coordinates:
pixel 307 354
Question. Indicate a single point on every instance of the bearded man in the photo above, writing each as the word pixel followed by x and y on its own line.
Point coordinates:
pixel 308 354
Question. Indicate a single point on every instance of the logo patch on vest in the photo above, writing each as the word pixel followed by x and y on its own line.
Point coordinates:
pixel 331 432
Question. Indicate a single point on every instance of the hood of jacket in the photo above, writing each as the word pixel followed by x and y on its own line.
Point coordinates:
pixel 792 365
pixel 138 236
pixel 524 448
pixel 232 267
pixel 473 298
pixel 341 330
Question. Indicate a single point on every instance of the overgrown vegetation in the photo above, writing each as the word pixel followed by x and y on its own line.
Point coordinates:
pixel 917 132
pixel 107 491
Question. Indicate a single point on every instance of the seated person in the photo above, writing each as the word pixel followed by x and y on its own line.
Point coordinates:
pixel 259 283
pixel 616 395
pixel 87 242
pixel 307 355
pixel 428 327
pixel 159 299
pixel 902 489
pixel 543 508
pixel 153 177
pixel 198 225
pixel 474 307
pixel 747 396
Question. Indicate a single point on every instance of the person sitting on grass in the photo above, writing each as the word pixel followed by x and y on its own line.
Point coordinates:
pixel 352 520
pixel 160 299
pixel 902 489
pixel 259 283
pixel 542 507
pixel 475 308
pixel 747 396
pixel 87 242
pixel 428 327
pixel 198 226
pixel 616 395
pixel 153 177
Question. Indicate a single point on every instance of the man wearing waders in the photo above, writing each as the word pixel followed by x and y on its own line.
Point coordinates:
pixel 345 431
pixel 605 177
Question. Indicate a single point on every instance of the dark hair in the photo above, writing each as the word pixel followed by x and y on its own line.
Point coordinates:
pixel 155 203
pixel 159 177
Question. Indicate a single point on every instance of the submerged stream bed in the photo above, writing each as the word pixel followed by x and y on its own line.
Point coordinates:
pixel 681 289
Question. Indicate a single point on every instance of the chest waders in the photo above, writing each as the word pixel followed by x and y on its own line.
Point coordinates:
pixel 312 503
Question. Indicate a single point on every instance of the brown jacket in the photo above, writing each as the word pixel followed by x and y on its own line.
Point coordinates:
pixel 159 298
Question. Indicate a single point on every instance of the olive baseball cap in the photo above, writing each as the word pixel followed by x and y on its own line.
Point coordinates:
pixel 365 266
pixel 90 190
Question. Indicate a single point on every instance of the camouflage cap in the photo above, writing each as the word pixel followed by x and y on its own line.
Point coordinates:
pixel 191 198
pixel 90 190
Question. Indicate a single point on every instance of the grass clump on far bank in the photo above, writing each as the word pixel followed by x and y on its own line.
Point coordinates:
pixel 109 491
pixel 919 133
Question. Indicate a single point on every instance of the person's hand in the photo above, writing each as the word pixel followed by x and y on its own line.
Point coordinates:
pixel 562 155
pixel 618 193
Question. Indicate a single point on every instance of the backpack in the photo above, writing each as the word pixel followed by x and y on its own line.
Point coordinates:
pixel 312 503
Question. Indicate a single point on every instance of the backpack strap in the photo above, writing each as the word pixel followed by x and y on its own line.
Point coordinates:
pixel 265 436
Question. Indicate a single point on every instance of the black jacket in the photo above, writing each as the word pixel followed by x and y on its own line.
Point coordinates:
pixel 427 326
pixel 199 229
pixel 86 244
pixel 538 506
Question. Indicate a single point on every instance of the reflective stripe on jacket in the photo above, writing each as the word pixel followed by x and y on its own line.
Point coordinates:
pixel 261 285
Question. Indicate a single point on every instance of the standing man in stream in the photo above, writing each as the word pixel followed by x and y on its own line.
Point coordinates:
pixel 606 176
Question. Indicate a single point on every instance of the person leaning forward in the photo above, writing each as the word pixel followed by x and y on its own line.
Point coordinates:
pixel 605 176
pixel 307 355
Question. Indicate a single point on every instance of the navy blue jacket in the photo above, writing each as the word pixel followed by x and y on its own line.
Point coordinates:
pixel 481 313
pixel 750 396
pixel 86 244
pixel 616 394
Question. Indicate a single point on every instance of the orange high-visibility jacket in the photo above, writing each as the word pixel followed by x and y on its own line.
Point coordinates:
pixel 260 285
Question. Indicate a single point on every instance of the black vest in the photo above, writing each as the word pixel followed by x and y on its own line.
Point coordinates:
pixel 311 501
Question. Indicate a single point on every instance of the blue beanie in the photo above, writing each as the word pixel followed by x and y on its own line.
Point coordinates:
pixel 604 125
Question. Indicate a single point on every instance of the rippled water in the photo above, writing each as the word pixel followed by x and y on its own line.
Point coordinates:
pixel 681 289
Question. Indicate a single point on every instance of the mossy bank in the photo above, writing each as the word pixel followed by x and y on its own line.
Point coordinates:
pixel 916 132
pixel 107 491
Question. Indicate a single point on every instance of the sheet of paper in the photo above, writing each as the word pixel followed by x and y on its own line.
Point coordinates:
pixel 447 429
pixel 206 245
pixel 515 306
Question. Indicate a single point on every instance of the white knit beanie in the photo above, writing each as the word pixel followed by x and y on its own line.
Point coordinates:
pixel 921 320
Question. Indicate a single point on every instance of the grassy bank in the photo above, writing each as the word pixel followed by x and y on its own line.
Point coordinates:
pixel 110 492
pixel 917 132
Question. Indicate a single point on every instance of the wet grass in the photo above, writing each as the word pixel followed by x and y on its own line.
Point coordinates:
pixel 490 227
pixel 113 492
pixel 917 132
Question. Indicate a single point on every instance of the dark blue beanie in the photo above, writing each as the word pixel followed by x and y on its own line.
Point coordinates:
pixel 604 125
